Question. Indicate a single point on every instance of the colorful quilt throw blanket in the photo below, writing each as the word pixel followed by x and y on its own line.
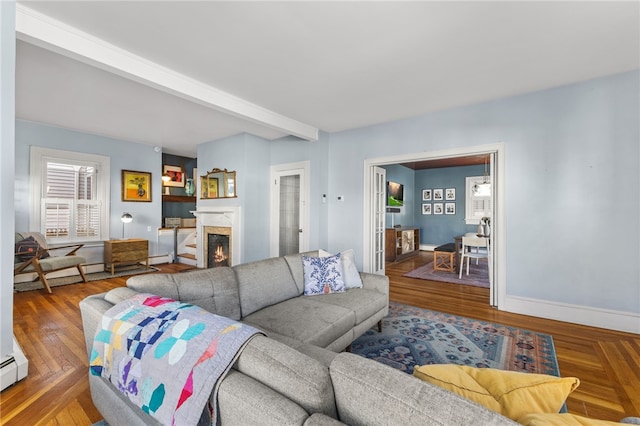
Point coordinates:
pixel 167 357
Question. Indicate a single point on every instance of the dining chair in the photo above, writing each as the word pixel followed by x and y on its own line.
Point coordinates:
pixel 474 247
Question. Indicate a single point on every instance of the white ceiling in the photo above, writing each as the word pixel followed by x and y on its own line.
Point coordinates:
pixel 325 65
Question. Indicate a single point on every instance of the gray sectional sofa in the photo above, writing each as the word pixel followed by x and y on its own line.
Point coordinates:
pixel 296 374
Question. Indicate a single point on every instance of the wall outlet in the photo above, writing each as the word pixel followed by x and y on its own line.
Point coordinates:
pixel 148 229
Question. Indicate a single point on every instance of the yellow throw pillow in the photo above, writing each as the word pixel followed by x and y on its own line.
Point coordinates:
pixel 509 393
pixel 563 419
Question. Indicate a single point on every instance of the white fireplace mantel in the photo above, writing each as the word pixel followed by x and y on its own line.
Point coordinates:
pixel 222 216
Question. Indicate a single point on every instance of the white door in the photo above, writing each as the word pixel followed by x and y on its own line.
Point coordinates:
pixel 289 210
pixel 378 200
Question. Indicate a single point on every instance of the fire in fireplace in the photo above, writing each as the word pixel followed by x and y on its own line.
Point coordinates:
pixel 218 250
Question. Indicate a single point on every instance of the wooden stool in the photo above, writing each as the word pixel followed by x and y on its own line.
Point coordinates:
pixel 444 258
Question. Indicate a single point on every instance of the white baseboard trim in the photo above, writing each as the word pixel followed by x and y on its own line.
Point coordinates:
pixel 585 315
pixel 427 247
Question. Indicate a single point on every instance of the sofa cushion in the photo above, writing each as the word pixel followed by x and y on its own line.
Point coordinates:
pixel 323 275
pixel 290 373
pixel 364 303
pixel 214 289
pixel 244 401
pixel 510 393
pixel 295 266
pixel 305 319
pixel 264 283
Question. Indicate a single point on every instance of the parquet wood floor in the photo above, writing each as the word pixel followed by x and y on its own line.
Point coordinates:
pixel 56 391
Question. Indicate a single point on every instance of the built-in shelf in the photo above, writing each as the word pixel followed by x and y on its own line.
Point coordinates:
pixel 178 199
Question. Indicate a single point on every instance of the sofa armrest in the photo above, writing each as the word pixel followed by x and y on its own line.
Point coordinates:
pixel 375 282
pixel 370 393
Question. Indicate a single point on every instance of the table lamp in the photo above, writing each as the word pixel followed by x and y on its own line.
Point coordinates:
pixel 125 218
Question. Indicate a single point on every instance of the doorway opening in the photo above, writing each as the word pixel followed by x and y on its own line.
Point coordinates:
pixel 372 206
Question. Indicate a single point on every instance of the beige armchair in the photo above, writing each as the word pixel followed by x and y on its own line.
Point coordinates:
pixel 38 258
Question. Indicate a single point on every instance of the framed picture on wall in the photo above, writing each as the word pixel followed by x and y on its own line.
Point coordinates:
pixel 136 186
pixel 438 208
pixel 450 208
pixel 426 209
pixel 438 195
pixel 176 176
pixel 450 194
pixel 426 195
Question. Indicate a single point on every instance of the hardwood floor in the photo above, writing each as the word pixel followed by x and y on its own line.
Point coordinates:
pixel 56 391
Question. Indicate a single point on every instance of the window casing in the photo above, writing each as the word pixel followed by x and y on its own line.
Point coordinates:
pixel 476 206
pixel 70 195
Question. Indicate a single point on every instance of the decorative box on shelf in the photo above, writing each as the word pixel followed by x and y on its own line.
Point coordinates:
pixel 170 222
pixel 188 223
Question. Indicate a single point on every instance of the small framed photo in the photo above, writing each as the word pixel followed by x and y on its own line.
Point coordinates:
pixel 450 194
pixel 438 195
pixel 450 208
pixel 426 209
pixel 136 186
pixel 438 208
pixel 176 175
pixel 426 195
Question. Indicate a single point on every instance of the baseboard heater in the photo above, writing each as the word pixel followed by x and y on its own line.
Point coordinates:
pixel 13 367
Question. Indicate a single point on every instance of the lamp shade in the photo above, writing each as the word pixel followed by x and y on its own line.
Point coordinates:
pixel 126 217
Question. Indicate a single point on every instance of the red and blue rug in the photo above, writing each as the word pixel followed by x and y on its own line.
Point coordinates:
pixel 413 336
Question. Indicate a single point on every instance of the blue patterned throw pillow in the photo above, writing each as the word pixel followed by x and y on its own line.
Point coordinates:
pixel 322 275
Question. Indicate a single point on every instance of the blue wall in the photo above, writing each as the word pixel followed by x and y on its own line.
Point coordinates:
pixel 434 229
pixel 124 156
pixel 572 184
pixel 442 229
pixel 249 156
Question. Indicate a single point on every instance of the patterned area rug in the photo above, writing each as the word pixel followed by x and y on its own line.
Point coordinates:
pixel 414 336
pixel 76 279
pixel 478 274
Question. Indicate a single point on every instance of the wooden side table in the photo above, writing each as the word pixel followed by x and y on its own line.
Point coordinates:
pixel 125 252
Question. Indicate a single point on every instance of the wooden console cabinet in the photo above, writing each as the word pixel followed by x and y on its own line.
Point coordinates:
pixel 125 252
pixel 401 243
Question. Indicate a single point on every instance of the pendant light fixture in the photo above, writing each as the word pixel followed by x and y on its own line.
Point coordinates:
pixel 483 189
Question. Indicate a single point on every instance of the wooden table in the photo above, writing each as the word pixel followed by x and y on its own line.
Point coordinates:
pixel 125 252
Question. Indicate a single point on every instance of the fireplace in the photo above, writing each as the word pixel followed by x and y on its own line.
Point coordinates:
pixel 223 247
pixel 217 246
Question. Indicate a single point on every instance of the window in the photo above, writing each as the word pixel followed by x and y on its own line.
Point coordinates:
pixel 70 199
pixel 477 205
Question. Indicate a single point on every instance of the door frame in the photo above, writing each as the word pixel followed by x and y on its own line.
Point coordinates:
pixel 498 228
pixel 301 168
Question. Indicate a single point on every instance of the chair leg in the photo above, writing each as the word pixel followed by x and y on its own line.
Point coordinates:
pixel 84 278
pixel 461 266
pixel 380 326
pixel 40 272
pixel 44 281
